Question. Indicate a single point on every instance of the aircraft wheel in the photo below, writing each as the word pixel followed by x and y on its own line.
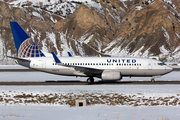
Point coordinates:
pixel 90 80
pixel 152 80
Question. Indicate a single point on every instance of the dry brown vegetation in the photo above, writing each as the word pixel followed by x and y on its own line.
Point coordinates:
pixel 92 99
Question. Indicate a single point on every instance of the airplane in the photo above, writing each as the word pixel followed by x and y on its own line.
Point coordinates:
pixel 106 68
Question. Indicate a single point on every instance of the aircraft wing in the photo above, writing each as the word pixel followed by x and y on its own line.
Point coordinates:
pixel 17 58
pixel 86 70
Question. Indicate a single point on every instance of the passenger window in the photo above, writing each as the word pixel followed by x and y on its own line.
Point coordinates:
pixel 124 64
pixel 134 64
pixel 93 63
pixel 99 63
pixel 96 63
pixel 129 64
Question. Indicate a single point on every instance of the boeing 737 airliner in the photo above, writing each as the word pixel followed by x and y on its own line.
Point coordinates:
pixel 106 68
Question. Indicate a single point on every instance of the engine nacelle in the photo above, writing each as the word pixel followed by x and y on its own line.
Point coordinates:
pixel 111 75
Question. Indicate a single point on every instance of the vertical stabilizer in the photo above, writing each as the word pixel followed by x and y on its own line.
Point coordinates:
pixel 25 46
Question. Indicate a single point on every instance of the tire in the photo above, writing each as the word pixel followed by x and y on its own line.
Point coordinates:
pixel 152 80
pixel 90 80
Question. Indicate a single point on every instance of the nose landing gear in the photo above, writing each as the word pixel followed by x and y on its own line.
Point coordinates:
pixel 90 80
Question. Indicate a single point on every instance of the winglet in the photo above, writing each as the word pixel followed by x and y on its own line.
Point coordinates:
pixel 56 58
pixel 69 54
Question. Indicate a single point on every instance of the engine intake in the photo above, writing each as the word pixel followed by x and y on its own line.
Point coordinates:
pixel 111 75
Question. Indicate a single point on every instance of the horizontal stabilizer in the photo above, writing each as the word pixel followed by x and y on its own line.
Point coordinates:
pixel 17 58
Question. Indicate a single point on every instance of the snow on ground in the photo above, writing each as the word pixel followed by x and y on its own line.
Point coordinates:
pixel 130 106
pixel 12 67
pixel 41 76
pixel 88 113
pixel 98 111
pixel 139 90
pixel 147 90
pixel 139 7
pixel 35 76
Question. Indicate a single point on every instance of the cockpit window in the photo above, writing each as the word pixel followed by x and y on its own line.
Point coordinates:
pixel 161 64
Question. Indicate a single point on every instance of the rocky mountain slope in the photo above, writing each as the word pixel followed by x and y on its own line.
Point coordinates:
pixel 92 28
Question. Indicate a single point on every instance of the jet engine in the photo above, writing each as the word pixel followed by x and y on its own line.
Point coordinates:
pixel 111 75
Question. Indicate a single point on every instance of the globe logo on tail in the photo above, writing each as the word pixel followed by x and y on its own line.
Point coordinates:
pixel 29 49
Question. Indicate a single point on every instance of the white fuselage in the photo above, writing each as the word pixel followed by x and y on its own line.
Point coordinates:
pixel 127 66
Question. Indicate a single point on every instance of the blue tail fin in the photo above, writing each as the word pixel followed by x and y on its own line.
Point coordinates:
pixel 25 46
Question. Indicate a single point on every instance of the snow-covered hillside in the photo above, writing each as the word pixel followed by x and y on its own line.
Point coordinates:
pixel 95 28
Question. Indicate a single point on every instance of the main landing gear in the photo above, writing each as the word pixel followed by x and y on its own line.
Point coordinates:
pixel 152 80
pixel 90 80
